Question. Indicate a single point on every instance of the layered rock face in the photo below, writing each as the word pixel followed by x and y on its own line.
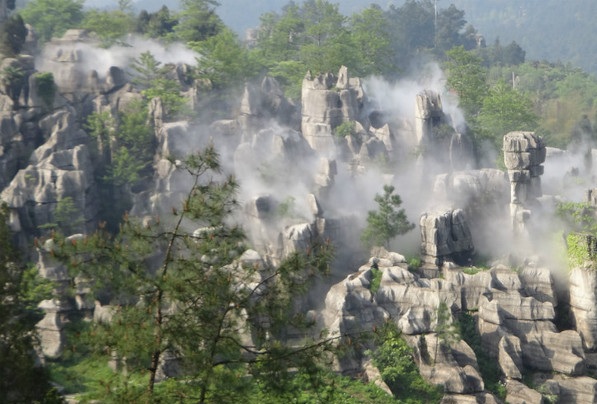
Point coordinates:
pixel 524 154
pixel 327 101
pixel 445 236
pixel 514 313
pixel 436 140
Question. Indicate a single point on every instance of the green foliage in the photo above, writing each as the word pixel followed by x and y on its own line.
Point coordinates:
pixel 13 79
pixel 414 263
pixel 467 77
pixel 369 31
pixel 159 24
pixel 376 275
pixel 46 87
pixel 387 222
pixel 394 359
pixel 345 129
pixel 182 293
pixel 51 18
pixel 578 216
pixel 505 109
pixel 110 26
pixel 581 251
pixel 286 208
pixel 329 388
pixel 223 60
pixel 490 371
pixel 21 380
pixel 447 331
pixel 67 217
pixel 153 80
pixel 197 20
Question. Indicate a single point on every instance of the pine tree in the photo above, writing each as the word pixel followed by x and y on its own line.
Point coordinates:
pixel 21 379
pixel 387 222
pixel 178 291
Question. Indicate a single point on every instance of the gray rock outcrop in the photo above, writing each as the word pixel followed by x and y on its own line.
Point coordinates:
pixel 327 101
pixel 524 154
pixel 445 236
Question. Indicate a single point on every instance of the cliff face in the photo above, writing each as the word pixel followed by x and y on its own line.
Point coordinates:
pixel 322 163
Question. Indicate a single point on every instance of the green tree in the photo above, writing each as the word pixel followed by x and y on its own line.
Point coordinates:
pixel 394 359
pixel 21 380
pixel 223 60
pixel 67 217
pixel 327 43
pixel 197 20
pixel 159 24
pixel 153 80
pixel 467 77
pixel 124 148
pixel 179 292
pixel 503 110
pixel 387 222
pixel 412 30
pixel 370 33
pixel 110 26
pixel 12 78
pixel 51 18
pixel 450 23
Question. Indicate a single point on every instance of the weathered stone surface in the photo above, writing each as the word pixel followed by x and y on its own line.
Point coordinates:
pixel 510 357
pixel 373 375
pixel 583 304
pixel 560 352
pixel 576 390
pixel 479 398
pixel 518 393
pixel 538 282
pixel 325 107
pixel 49 328
pixel 524 152
pixel 441 367
pixel 445 236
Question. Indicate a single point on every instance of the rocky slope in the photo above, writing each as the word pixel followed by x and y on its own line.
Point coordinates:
pixel 321 161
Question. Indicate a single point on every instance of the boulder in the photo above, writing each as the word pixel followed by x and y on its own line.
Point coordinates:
pixel 518 393
pixel 510 357
pixel 581 389
pixel 560 352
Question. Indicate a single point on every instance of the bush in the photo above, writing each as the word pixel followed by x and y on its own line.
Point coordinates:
pixel 394 359
pixel 46 88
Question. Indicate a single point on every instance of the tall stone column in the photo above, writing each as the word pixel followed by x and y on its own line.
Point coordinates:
pixel 524 154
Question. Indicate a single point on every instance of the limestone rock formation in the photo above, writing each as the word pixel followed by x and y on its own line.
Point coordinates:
pixel 327 101
pixel 445 236
pixel 583 304
pixel 524 154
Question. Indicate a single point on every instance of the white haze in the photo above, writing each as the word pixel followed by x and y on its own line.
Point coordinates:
pixel 90 57
pixel 350 195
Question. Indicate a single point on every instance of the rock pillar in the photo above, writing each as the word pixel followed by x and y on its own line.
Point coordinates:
pixel 445 236
pixel 524 154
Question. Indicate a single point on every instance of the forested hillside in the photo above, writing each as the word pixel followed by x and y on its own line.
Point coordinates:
pixel 551 30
